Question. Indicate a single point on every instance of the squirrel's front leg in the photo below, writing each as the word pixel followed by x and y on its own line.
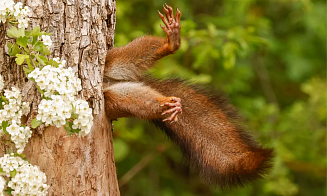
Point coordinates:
pixel 134 99
pixel 128 62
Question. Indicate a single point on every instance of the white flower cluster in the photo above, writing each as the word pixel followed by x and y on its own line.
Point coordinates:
pixel 85 118
pixel 20 14
pixel 60 86
pixel 47 40
pixel 56 80
pixel 19 135
pixel 15 108
pixel 12 112
pixel 2 83
pixel 6 7
pixel 29 180
pixel 9 8
pixel 55 111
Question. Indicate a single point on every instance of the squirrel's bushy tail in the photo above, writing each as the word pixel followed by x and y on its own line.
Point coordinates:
pixel 211 138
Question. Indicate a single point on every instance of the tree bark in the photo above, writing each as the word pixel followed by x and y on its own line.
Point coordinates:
pixel 82 31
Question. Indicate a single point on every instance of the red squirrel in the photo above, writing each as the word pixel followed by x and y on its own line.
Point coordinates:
pixel 203 125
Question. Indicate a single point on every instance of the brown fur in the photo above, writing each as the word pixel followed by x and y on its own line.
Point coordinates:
pixel 211 138
pixel 127 63
pixel 207 131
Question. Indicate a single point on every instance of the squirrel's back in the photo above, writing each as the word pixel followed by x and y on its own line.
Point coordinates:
pixel 210 136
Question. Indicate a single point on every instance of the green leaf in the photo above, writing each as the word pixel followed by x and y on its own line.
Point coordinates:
pixel 38 88
pixel 42 60
pixel 21 58
pixel 27 50
pixel 8 190
pixel 2 172
pixel 22 41
pixel 35 123
pixel 4 127
pixel 13 49
pixel 30 65
pixel 202 56
pixel 20 155
pixel 38 46
pixel 13 32
pixel 53 63
pixel 68 128
pixel 229 62
pixel 9 45
pixel 4 99
pixel 32 40
pixel 76 130
pixel 74 115
pixel 35 32
pixel 45 51
pixel 13 173
pixel 27 71
pixel 229 48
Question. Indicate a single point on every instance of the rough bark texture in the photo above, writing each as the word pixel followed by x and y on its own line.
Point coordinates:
pixel 82 31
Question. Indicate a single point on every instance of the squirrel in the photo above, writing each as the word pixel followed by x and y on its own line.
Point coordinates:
pixel 201 123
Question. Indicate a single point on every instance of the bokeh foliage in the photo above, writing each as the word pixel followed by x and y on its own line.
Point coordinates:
pixel 269 57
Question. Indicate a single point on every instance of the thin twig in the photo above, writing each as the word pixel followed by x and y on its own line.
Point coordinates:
pixel 265 81
pixel 137 168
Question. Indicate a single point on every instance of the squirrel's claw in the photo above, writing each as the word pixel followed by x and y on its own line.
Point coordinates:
pixel 176 108
pixel 164 20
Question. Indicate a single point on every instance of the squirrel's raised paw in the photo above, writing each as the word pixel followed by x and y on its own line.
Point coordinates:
pixel 172 27
pixel 176 108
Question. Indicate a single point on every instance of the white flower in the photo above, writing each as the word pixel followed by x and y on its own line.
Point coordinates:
pixel 63 63
pixel 60 86
pixel 85 118
pixel 57 59
pixel 52 112
pixel 35 73
pixel 14 110
pixel 59 80
pixel 19 135
pixel 29 180
pixel 17 8
pixel 9 163
pixel 15 11
pixel 6 7
pixel 23 23
pixel 13 129
pixel 2 183
pixel 12 113
pixel 47 40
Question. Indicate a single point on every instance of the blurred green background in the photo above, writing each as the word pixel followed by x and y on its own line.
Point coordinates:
pixel 269 57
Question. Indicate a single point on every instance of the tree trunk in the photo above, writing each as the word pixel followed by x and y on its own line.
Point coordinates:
pixel 82 31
